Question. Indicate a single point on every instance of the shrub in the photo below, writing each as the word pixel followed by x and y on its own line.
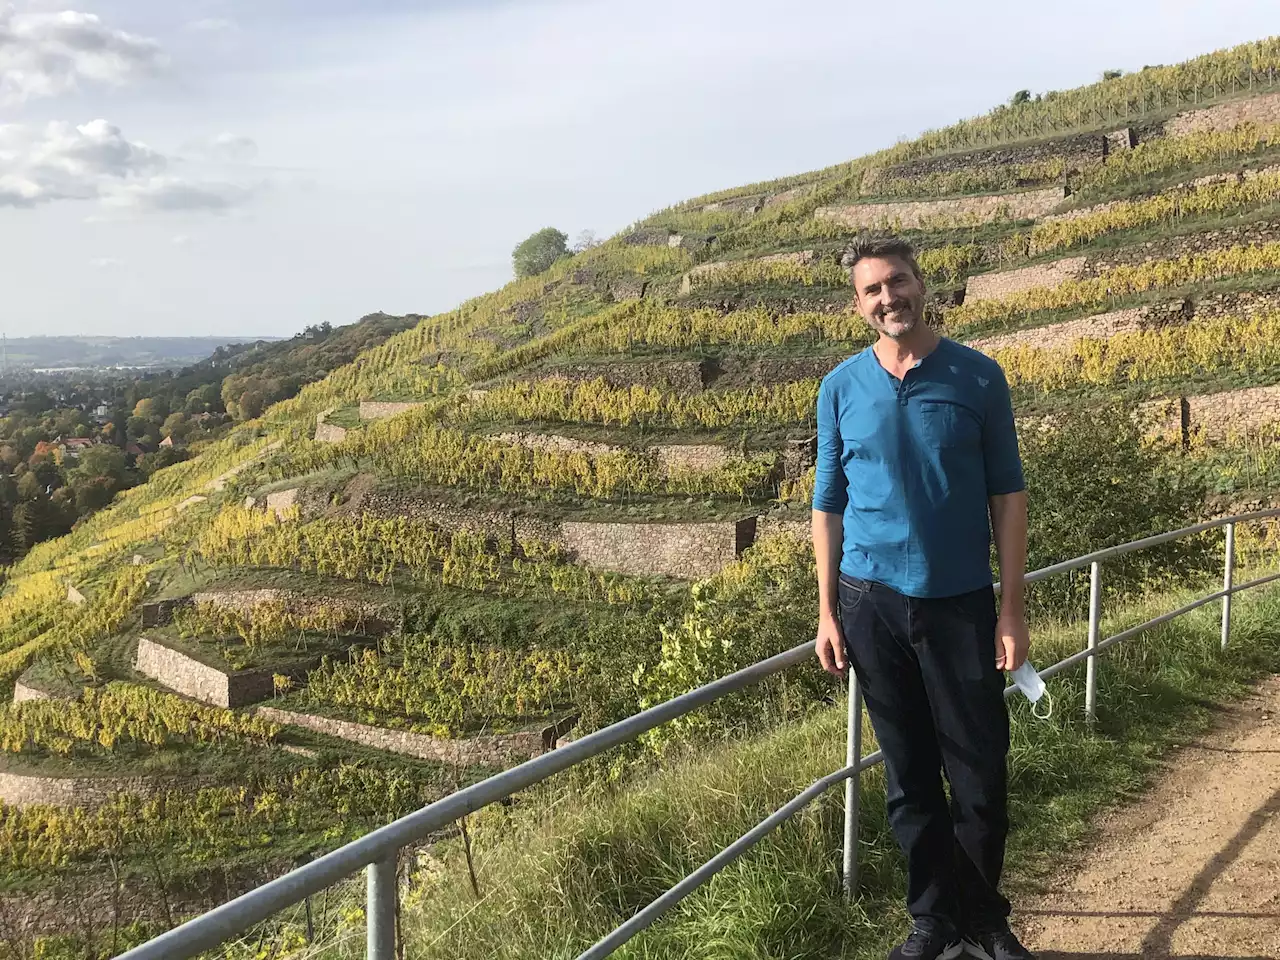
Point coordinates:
pixel 539 251
pixel 1093 482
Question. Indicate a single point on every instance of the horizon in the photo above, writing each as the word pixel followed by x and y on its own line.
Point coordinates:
pixel 200 173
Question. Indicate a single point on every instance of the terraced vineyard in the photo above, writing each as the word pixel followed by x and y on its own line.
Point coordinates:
pixel 587 492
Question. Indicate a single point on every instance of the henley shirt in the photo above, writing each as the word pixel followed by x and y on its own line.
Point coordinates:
pixel 911 462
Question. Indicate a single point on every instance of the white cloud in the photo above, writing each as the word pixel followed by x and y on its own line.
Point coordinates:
pixel 95 161
pixel 105 263
pixel 46 54
pixel 180 240
pixel 173 194
pixel 211 25
pixel 224 148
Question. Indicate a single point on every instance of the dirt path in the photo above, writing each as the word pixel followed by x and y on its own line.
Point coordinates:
pixel 1191 871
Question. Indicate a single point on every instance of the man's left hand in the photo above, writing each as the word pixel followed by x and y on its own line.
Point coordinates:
pixel 1012 641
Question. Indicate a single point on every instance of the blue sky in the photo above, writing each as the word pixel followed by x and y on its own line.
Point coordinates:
pixel 239 168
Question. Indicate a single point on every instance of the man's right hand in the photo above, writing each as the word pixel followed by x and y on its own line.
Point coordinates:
pixel 830 645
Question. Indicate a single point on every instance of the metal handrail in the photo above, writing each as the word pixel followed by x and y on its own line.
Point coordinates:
pixel 377 851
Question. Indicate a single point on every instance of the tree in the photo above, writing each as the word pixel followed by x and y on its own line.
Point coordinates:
pixel 1112 74
pixel 251 404
pixel 137 428
pixel 101 460
pixel 586 240
pixel 538 252
pixel 176 426
pixel 204 399
pixel 30 487
pixel 148 408
pixel 1022 96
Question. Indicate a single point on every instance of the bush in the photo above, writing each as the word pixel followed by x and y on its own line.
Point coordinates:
pixel 1094 482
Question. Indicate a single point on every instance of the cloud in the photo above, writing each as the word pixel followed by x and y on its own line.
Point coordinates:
pixel 180 240
pixel 211 25
pixel 95 161
pixel 170 194
pixel 224 148
pixel 105 263
pixel 46 54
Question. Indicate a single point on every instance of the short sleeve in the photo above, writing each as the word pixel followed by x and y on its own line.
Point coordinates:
pixel 1001 461
pixel 830 487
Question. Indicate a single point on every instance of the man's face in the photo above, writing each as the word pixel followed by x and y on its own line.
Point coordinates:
pixel 889 296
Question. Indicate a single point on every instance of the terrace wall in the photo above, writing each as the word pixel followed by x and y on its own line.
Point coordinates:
pixel 380 409
pixel 684 550
pixel 197 680
pixel 1262 110
pixel 996 286
pixel 1026 205
pixel 24 790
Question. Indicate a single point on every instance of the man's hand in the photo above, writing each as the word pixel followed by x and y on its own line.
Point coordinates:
pixel 830 645
pixel 1012 641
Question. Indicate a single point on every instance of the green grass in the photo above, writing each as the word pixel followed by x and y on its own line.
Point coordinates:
pixel 555 883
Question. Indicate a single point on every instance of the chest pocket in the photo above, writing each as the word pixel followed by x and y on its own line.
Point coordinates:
pixel 947 426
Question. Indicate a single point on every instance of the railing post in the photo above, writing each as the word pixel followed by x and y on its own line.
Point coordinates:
pixel 380 909
pixel 852 786
pixel 1228 575
pixel 1091 665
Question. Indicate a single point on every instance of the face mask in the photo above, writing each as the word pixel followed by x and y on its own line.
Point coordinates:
pixel 1026 679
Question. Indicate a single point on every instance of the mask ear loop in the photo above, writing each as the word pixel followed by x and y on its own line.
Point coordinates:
pixel 1048 697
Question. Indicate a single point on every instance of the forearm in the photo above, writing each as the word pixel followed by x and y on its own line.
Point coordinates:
pixel 828 545
pixel 1009 526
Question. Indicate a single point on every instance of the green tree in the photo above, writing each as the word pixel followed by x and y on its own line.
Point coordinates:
pixel 539 251
pixel 100 461
pixel 251 404
pixel 1022 96
pixel 1112 74
pixel 175 425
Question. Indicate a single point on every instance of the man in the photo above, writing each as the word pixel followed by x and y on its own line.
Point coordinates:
pixel 917 465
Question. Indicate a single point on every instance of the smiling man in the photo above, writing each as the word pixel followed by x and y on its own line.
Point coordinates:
pixel 917 466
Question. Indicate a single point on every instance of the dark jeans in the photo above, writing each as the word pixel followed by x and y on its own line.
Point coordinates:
pixel 928 675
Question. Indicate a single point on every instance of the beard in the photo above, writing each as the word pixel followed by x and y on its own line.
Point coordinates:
pixel 896 320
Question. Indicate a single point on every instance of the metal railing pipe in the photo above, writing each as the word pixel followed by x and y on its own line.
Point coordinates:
pixel 222 923
pixel 1228 572
pixel 1091 665
pixel 380 909
pixel 852 792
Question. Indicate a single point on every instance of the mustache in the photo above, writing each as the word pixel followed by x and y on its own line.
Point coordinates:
pixel 895 307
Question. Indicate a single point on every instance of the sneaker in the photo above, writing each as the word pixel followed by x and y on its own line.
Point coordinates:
pixel 996 946
pixel 922 945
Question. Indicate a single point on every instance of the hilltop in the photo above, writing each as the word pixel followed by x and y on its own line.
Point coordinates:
pixel 587 491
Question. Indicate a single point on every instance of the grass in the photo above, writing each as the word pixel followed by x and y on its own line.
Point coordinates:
pixel 555 883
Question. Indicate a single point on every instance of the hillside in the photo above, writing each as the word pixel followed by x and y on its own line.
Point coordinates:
pixel 70 352
pixel 519 520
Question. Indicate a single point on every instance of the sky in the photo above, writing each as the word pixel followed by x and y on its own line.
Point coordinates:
pixel 248 167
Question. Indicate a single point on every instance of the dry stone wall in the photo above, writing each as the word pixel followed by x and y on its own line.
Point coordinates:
pixel 380 409
pixel 494 749
pixel 23 790
pixel 282 501
pixel 693 457
pixel 1026 205
pixel 705 271
pixel 628 288
pixel 24 689
pixel 1250 234
pixel 684 550
pixel 736 205
pixel 197 680
pixel 1218 416
pixel 996 286
pixel 1122 139
pixel 1262 110
pixel 685 376
pixel 328 432
pixel 1098 327
pixel 1077 150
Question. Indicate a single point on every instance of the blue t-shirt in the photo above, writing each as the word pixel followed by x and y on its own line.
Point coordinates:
pixel 911 463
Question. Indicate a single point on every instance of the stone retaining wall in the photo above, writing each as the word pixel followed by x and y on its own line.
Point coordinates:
pixel 1250 234
pixel 26 790
pixel 1262 110
pixel 1026 205
pixel 1098 327
pixel 24 690
pixel 1077 150
pixel 381 409
pixel 996 286
pixel 494 750
pixel 628 288
pixel 1122 139
pixel 282 501
pixel 693 457
pixel 736 204
pixel 705 271
pixel 555 443
pixel 686 550
pixel 75 597
pixel 328 432
pixel 190 677
pixel 1217 416
pixel 684 376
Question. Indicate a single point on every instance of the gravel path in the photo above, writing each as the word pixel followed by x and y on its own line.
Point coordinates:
pixel 1192 870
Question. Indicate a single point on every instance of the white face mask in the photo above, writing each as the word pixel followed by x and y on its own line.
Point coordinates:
pixel 1026 679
